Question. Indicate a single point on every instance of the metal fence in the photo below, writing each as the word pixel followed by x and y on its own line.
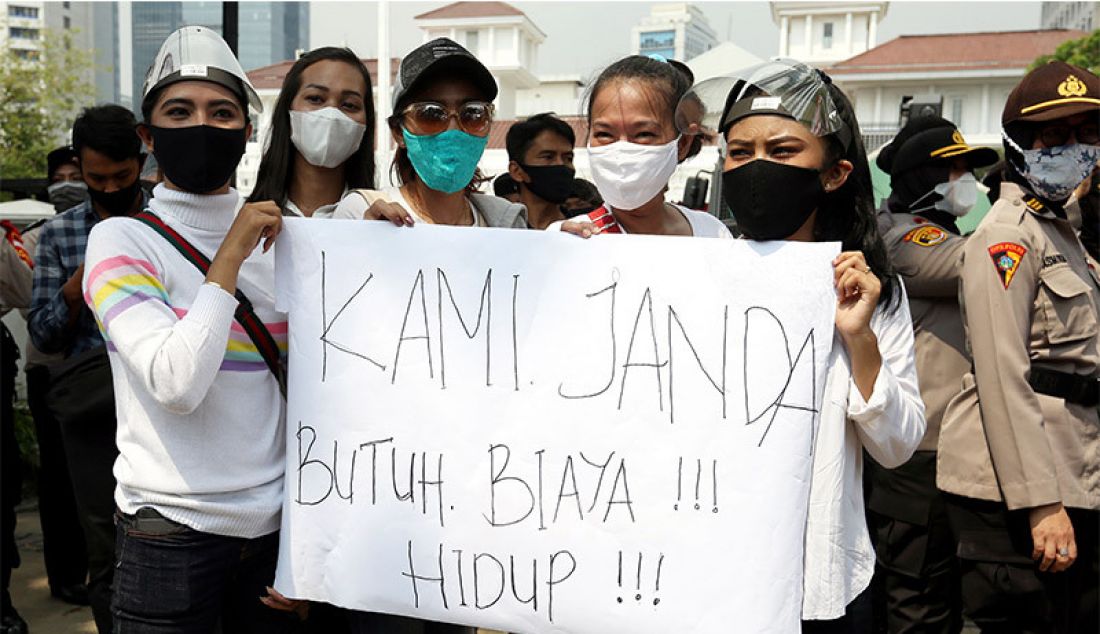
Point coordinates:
pixel 875 135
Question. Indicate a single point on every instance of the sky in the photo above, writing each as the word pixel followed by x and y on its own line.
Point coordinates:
pixel 583 37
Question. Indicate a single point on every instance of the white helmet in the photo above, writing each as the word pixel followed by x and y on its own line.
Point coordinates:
pixel 198 53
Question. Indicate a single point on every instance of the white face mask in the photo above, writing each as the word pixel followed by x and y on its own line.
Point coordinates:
pixel 628 175
pixel 325 137
pixel 958 197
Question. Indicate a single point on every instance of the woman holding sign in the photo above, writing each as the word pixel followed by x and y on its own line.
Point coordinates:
pixel 795 169
pixel 184 293
pixel 633 149
pixel 443 112
pixel 316 151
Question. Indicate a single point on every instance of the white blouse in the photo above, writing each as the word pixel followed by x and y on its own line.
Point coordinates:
pixel 839 557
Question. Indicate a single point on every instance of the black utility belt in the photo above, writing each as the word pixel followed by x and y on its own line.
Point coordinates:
pixel 1074 388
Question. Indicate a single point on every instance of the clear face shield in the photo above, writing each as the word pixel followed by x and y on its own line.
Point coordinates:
pixel 781 87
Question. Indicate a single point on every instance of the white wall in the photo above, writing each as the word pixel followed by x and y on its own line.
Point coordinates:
pixel 563 98
pixel 839 50
pixel 972 93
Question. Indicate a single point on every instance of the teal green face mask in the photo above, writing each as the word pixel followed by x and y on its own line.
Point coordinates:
pixel 445 161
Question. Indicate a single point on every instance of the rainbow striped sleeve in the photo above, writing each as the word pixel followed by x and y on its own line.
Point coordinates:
pixel 118 284
pixel 241 355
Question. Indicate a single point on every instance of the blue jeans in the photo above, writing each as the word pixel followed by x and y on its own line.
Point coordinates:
pixel 171 579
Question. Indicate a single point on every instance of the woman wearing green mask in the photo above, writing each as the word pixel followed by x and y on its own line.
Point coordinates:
pixel 442 115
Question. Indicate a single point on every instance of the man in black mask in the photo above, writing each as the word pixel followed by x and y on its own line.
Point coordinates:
pixel 540 154
pixel 932 181
pixel 109 151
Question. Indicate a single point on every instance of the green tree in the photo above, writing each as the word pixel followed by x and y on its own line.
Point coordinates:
pixel 1083 52
pixel 39 98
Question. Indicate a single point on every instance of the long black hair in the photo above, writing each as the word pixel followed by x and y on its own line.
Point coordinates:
pixel 277 166
pixel 668 81
pixel 847 214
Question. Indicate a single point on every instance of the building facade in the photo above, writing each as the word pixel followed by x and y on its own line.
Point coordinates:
pixel 1084 16
pixel 821 33
pixel 972 72
pixel 93 27
pixel 22 25
pixel 499 35
pixel 268 32
pixel 677 31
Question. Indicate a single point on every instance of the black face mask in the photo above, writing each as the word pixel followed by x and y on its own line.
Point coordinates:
pixel 550 182
pixel 118 202
pixel 770 200
pixel 198 159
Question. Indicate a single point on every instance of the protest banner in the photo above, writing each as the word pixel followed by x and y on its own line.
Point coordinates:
pixel 538 433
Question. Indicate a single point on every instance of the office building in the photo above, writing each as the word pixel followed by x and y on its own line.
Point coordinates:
pixel 1084 16
pixel 268 32
pixel 675 31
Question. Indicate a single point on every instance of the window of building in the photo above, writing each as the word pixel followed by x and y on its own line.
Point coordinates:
pixel 24 54
pixel 957 111
pixel 827 38
pixel 65 5
pixel 22 12
pixel 472 42
pixel 20 33
pixel 67 22
pixel 661 43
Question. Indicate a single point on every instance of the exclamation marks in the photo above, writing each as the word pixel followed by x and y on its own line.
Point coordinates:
pixel 679 484
pixel 638 578
pixel 699 482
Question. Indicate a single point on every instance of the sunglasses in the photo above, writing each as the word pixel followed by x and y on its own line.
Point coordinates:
pixel 1058 134
pixel 428 117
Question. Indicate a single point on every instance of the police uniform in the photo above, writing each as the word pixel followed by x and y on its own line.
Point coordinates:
pixel 917 576
pixel 1024 431
pixel 15 268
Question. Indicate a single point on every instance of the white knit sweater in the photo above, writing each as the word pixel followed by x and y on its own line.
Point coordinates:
pixel 200 417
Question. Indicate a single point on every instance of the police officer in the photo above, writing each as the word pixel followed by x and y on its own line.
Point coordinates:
pixel 932 184
pixel 1019 447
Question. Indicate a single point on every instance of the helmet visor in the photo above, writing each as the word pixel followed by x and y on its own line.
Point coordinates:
pixel 781 87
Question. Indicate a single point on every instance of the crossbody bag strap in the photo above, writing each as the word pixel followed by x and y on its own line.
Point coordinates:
pixel 245 314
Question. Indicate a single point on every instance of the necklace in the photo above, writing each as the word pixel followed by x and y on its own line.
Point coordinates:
pixel 413 196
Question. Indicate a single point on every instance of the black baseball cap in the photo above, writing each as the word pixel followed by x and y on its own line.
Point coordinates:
pixel 442 55
pixel 929 139
pixel 61 156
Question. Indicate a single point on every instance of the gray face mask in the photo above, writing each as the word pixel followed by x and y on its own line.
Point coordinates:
pixel 67 194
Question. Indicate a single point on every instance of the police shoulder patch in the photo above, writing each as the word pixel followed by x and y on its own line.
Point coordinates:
pixel 1006 259
pixel 926 236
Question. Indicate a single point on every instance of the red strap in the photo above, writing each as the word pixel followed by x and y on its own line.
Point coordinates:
pixel 604 220
pixel 11 233
pixel 246 316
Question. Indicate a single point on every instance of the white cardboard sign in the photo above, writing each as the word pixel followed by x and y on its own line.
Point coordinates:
pixel 537 433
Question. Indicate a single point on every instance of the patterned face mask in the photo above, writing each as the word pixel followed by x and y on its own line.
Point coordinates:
pixel 1054 172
